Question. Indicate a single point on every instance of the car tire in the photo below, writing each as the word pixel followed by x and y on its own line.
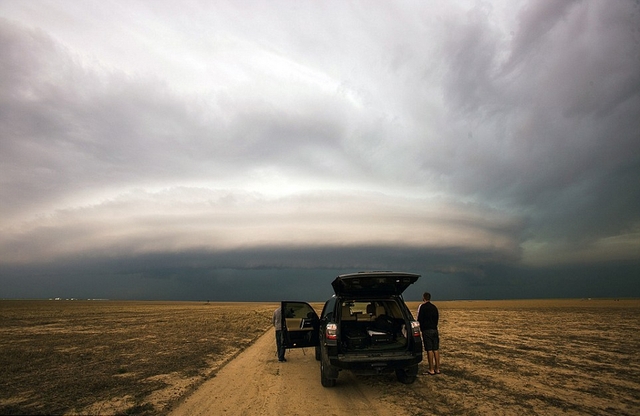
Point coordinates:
pixel 324 370
pixel 318 353
pixel 405 375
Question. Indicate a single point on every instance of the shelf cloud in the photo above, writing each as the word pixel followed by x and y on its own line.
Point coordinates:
pixel 189 146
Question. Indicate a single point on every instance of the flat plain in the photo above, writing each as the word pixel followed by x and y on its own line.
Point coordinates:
pixel 534 357
pixel 525 357
pixel 106 357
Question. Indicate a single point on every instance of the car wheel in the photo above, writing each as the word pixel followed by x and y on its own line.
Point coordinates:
pixel 318 353
pixel 404 376
pixel 324 379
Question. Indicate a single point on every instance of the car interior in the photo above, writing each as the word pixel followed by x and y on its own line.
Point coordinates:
pixel 372 325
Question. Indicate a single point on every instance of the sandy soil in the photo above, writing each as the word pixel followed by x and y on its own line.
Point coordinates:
pixel 255 383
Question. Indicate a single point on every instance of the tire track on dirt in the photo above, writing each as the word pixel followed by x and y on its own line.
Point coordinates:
pixel 256 383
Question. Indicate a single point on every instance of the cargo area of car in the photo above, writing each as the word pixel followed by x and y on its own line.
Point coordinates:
pixel 373 325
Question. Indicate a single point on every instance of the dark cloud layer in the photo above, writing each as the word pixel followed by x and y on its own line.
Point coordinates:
pixel 153 153
pixel 203 276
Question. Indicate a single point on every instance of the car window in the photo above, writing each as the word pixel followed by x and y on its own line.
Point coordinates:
pixel 299 310
pixel 358 307
pixel 394 309
pixel 328 310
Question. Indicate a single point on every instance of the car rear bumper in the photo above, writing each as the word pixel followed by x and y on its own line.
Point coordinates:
pixel 375 365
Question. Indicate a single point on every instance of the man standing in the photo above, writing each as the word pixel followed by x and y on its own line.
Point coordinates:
pixel 428 318
pixel 277 323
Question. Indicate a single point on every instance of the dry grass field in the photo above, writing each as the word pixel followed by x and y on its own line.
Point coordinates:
pixel 533 357
pixel 569 357
pixel 104 357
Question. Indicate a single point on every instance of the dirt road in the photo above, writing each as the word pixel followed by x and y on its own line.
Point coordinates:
pixel 255 383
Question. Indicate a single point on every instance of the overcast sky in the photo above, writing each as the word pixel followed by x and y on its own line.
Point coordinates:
pixel 253 150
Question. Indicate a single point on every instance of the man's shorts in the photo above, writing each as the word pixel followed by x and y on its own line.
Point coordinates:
pixel 431 340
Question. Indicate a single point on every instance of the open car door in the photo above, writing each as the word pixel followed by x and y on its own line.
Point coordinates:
pixel 300 324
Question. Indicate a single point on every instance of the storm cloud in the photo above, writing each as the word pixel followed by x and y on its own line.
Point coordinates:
pixel 156 150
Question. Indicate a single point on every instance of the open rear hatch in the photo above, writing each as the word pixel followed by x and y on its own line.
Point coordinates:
pixel 373 284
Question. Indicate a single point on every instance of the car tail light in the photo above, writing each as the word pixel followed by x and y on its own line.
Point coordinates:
pixel 332 331
pixel 415 328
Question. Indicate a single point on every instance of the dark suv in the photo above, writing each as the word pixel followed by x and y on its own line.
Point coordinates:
pixel 365 327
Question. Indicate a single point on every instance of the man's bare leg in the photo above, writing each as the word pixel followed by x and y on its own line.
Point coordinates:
pixel 431 359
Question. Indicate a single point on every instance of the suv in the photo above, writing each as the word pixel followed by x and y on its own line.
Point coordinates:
pixel 365 327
